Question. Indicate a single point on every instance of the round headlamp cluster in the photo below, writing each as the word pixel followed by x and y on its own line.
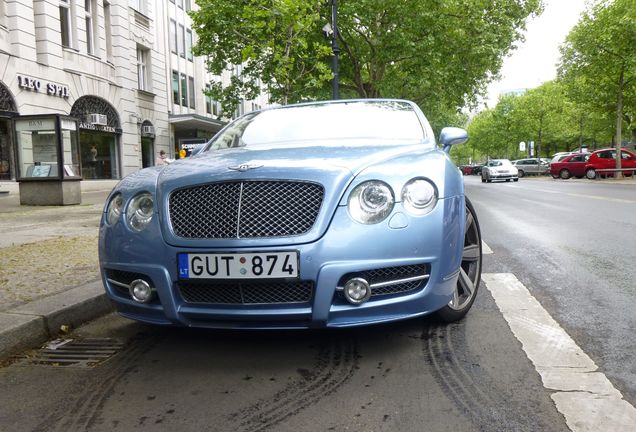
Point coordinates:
pixel 371 202
pixel 138 213
pixel 113 211
pixel 419 196
pixel 140 210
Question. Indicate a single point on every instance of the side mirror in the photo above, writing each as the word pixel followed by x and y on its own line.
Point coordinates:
pixel 451 136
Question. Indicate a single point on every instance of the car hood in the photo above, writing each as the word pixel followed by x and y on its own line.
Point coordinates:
pixel 332 167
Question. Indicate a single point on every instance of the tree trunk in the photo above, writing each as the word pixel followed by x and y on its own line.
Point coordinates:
pixel 619 121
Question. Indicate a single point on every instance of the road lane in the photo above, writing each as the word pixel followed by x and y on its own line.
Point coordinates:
pixel 576 256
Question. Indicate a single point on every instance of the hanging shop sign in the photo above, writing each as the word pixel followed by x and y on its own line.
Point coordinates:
pixel 36 85
pixel 97 127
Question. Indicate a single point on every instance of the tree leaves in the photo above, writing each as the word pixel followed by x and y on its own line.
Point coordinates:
pixel 440 53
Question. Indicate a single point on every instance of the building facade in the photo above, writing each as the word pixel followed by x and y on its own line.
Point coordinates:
pixel 123 69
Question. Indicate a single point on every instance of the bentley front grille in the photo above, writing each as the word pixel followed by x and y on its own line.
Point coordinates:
pixel 246 209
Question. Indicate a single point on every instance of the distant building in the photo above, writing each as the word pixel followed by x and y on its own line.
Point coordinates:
pixel 123 68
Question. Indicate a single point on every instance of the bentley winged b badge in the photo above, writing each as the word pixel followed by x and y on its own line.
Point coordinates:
pixel 243 167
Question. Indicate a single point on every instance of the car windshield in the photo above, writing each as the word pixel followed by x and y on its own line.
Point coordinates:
pixel 499 162
pixel 386 122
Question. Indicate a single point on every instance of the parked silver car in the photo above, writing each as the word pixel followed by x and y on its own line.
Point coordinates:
pixel 499 169
pixel 532 166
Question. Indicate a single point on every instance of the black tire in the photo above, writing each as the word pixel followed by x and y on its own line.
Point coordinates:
pixel 565 174
pixel 590 173
pixel 507 180
pixel 515 179
pixel 469 271
pixel 489 181
pixel 521 173
pixel 483 180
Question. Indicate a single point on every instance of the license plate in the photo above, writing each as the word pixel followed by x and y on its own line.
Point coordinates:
pixel 265 265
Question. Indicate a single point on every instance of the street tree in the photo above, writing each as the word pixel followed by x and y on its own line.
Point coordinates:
pixel 599 52
pixel 441 54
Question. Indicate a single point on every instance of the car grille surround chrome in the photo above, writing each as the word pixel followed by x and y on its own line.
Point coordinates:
pixel 245 209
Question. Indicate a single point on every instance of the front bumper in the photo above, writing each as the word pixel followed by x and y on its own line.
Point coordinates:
pixel 435 240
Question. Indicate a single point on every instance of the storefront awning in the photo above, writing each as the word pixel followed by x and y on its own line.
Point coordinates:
pixel 195 121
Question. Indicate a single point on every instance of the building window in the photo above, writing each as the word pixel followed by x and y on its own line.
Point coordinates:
pixel 66 24
pixel 188 43
pixel 109 34
pixel 141 6
pixel 181 41
pixel 188 5
pixel 143 68
pixel 208 100
pixel 173 36
pixel 180 3
pixel 184 90
pixel 192 96
pixel 90 7
pixel 175 87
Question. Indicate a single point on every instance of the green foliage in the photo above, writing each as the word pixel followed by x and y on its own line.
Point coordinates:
pixel 595 92
pixel 439 53
pixel 598 64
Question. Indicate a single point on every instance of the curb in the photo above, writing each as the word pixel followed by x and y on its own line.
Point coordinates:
pixel 32 324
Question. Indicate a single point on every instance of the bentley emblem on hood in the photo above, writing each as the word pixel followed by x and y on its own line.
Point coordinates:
pixel 244 167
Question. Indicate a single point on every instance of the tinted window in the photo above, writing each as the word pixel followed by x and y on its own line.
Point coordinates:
pixel 384 121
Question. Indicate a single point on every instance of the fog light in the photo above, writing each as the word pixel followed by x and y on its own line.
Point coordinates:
pixel 140 291
pixel 357 291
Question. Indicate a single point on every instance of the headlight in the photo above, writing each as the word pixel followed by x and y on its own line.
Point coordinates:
pixel 371 202
pixel 419 196
pixel 113 211
pixel 140 211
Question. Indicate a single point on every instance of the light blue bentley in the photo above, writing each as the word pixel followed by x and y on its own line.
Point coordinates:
pixel 327 214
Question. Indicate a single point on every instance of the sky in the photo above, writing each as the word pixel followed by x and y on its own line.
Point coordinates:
pixel 534 61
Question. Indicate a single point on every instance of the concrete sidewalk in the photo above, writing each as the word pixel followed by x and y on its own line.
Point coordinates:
pixel 49 275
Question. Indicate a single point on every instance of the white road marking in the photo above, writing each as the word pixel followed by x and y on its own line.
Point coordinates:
pixel 576 195
pixel 485 249
pixel 586 398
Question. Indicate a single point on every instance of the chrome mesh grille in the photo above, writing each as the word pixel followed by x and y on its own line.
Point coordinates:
pixel 237 292
pixel 245 209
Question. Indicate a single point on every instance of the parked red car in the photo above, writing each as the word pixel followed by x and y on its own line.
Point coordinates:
pixel 606 159
pixel 571 166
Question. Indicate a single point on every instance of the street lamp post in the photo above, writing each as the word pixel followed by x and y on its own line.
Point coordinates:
pixel 335 48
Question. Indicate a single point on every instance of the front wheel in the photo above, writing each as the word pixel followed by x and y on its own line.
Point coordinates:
pixel 469 271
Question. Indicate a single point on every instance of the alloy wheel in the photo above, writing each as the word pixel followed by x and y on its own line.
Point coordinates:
pixel 470 268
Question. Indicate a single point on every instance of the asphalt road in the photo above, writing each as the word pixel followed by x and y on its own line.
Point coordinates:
pixel 573 244
pixel 570 243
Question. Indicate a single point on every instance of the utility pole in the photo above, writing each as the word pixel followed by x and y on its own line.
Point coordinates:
pixel 336 50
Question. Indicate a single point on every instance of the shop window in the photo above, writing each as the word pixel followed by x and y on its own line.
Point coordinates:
pixel 99 155
pixel 143 68
pixel 5 149
pixel 42 152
